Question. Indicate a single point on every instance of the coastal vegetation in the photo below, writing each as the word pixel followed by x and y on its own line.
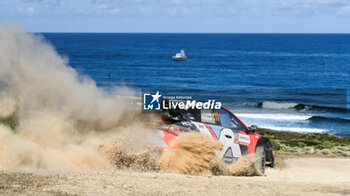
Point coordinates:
pixel 293 143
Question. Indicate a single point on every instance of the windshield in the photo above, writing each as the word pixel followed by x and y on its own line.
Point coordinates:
pixel 216 117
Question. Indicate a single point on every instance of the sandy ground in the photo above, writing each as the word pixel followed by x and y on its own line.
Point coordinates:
pixel 299 176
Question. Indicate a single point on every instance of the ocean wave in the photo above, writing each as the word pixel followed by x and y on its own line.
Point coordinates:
pixel 297 129
pixel 328 119
pixel 276 105
pixel 293 117
pixel 320 108
pixel 279 117
pixel 299 106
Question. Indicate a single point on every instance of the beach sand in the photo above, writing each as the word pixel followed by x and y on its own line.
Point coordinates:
pixel 297 176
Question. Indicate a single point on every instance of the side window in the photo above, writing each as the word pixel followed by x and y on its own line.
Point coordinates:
pixel 193 114
pixel 230 121
pixel 210 116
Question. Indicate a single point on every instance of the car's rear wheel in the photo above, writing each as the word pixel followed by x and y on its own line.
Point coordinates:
pixel 261 158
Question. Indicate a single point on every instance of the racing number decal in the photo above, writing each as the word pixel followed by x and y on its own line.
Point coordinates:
pixel 227 138
pixel 216 116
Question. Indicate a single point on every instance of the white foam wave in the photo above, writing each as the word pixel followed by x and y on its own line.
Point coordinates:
pixel 276 105
pixel 278 117
pixel 296 129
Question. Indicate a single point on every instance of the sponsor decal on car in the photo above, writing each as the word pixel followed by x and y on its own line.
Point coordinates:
pixel 241 139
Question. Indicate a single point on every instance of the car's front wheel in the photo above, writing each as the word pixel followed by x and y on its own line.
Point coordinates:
pixel 261 158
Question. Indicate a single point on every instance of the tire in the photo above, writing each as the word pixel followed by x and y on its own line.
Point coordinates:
pixel 261 158
pixel 269 158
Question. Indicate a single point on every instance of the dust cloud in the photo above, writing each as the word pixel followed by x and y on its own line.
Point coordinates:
pixel 62 116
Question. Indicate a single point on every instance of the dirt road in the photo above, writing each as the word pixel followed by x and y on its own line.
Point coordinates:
pixel 299 176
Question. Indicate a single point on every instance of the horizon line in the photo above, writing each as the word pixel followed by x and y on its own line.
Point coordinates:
pixel 181 32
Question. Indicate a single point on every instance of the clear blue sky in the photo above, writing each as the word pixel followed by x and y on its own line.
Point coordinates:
pixel 223 16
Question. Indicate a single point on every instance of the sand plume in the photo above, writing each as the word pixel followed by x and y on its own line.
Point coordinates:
pixel 246 166
pixel 196 155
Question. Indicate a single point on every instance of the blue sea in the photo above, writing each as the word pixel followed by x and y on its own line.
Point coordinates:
pixel 286 82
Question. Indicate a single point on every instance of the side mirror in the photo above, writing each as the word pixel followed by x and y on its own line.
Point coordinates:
pixel 253 128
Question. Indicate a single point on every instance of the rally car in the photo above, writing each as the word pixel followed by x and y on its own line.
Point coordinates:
pixel 221 124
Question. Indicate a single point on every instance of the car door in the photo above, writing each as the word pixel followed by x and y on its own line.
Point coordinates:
pixel 232 135
pixel 224 127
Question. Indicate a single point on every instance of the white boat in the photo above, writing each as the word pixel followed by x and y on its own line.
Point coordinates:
pixel 180 56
